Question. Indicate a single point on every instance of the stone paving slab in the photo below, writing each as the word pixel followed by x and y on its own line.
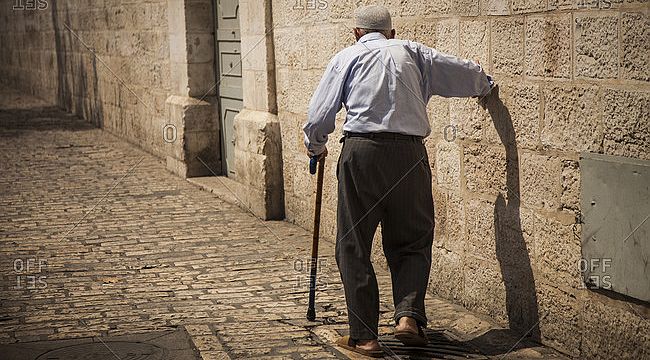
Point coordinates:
pixel 98 240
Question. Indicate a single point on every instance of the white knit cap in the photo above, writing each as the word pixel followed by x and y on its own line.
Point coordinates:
pixel 373 17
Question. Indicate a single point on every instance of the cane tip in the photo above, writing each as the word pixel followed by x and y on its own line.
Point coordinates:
pixel 311 314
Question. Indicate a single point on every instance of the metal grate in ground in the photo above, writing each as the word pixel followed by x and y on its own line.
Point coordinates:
pixel 440 346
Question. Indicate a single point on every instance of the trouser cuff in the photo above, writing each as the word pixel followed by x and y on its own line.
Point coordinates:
pixel 362 335
pixel 415 314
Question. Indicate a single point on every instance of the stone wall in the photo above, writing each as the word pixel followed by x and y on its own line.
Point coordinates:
pixel 47 50
pixel 573 77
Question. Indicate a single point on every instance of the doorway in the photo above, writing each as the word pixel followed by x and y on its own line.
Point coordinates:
pixel 229 77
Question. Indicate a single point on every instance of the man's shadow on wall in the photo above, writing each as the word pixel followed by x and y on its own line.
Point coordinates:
pixel 511 250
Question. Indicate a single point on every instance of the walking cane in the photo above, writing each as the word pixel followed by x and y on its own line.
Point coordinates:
pixel 311 310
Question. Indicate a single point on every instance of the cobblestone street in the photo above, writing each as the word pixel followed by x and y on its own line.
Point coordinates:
pixel 97 239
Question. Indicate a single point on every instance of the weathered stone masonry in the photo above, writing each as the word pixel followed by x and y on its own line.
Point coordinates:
pixel 573 77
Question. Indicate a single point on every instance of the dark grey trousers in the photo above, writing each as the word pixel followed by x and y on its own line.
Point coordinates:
pixel 385 181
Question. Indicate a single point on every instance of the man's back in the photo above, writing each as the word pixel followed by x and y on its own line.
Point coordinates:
pixel 384 82
pixel 385 85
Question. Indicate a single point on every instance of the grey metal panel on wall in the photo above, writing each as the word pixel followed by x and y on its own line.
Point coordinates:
pixel 615 202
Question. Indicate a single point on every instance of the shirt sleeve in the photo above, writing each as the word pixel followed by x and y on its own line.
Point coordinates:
pixel 324 104
pixel 450 76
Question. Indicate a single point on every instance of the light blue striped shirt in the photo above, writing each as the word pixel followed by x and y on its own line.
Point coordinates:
pixel 385 85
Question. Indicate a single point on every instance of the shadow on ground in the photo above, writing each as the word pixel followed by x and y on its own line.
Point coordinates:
pixel 161 345
pixel 42 118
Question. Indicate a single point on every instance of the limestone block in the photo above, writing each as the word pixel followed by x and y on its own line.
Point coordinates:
pixel 330 183
pixel 319 53
pixel 288 166
pixel 179 78
pixel 558 252
pixel 255 52
pixel 252 14
pixel 548 46
pixel 439 8
pixel 258 161
pixel 508 46
pixel 596 46
pixel 481 233
pixel 605 4
pixel 559 314
pixel 249 168
pixel 440 231
pixel 438 112
pixel 423 31
pixel 448 165
pixel 393 6
pixel 195 131
pixel 291 132
pixel 540 180
pixel 572 118
pixel 447 37
pixel 295 89
pixel 290 47
pixel 256 90
pixel 495 7
pixel 484 169
pixel 199 16
pixel 501 233
pixel 469 120
pixel 466 7
pixel 528 6
pixel 456 237
pixel 561 4
pixel 253 132
pixel 626 115
pixel 523 104
pixel 426 8
pixel 304 185
pixel 635 47
pixel 484 289
pixel 201 144
pixel 200 48
pixel 201 79
pixel 611 331
pixel 284 80
pixel 570 198
pixel 406 29
pixel 286 13
pixel 327 11
pixel 474 42
pixel 446 279
pixel 191 114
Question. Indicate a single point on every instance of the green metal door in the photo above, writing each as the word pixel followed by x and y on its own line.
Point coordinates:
pixel 228 76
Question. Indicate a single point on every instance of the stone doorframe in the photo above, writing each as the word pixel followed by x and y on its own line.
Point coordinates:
pixel 192 107
pixel 258 142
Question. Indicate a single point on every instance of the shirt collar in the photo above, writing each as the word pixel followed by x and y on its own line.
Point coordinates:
pixel 372 36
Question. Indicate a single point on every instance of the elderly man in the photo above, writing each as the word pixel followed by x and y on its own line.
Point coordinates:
pixel 383 171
